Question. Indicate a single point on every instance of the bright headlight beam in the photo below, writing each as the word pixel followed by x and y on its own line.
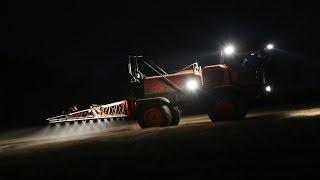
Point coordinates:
pixel 268 88
pixel 228 50
pixel 270 46
pixel 192 85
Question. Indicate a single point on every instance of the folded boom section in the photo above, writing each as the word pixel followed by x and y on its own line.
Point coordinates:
pixel 108 111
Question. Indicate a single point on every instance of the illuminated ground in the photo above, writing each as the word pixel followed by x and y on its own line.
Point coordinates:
pixel 270 142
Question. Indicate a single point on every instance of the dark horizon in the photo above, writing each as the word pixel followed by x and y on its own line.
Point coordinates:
pixel 61 54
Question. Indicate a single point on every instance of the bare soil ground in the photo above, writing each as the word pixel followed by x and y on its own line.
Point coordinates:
pixel 271 142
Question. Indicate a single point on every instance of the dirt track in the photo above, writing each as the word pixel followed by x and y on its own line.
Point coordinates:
pixel 270 142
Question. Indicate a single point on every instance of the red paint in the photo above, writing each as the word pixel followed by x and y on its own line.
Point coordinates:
pixel 155 85
pixel 153 117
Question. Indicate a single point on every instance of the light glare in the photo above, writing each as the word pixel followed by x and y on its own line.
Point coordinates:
pixel 228 50
pixel 268 88
pixel 192 85
pixel 270 46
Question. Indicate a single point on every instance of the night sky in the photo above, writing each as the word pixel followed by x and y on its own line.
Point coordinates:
pixel 58 54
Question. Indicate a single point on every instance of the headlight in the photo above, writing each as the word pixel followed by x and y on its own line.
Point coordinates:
pixel 192 85
pixel 268 88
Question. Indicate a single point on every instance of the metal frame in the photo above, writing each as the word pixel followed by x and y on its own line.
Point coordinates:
pixel 137 76
pixel 108 111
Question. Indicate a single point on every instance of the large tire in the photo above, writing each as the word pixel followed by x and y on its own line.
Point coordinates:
pixel 175 116
pixel 224 107
pixel 155 115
